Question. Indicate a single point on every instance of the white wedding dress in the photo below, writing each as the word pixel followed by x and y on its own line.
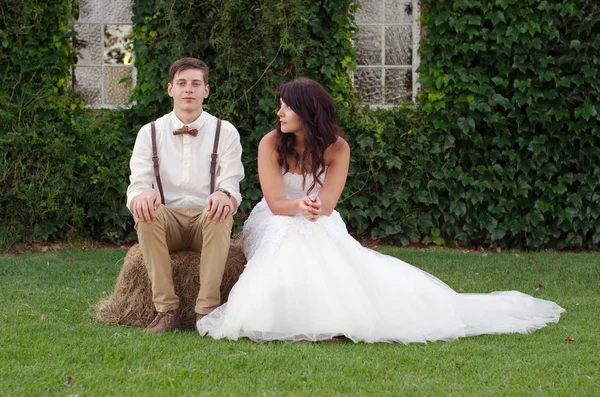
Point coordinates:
pixel 312 281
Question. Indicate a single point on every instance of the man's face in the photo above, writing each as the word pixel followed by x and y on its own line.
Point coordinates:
pixel 188 90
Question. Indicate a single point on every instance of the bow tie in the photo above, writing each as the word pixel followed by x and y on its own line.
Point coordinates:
pixel 186 130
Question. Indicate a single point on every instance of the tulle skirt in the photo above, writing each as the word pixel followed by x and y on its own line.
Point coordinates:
pixel 307 283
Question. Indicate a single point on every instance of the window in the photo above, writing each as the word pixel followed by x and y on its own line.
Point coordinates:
pixel 104 71
pixel 387 51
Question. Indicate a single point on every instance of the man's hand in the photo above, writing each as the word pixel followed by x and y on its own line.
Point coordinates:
pixel 145 204
pixel 219 207
pixel 310 208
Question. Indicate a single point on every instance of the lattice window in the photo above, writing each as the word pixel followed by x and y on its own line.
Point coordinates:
pixel 104 70
pixel 387 52
pixel 387 44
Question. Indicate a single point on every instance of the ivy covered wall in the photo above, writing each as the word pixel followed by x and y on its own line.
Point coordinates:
pixel 251 48
pixel 500 150
pixel 512 89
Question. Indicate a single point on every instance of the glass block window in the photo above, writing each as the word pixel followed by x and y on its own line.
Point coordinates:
pixel 386 48
pixel 104 70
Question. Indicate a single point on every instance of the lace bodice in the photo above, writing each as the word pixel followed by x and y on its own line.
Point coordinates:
pixel 263 229
pixel 294 187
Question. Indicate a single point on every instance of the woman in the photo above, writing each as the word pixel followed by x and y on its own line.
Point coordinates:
pixel 308 279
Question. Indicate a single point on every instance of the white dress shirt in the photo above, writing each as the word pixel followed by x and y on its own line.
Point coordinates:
pixel 184 161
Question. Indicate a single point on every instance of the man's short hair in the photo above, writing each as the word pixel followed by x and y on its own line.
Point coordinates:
pixel 188 63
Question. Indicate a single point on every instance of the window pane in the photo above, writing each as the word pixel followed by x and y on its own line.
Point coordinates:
pixel 371 11
pixel 118 44
pixel 116 93
pixel 398 85
pixel 368 83
pixel 398 11
pixel 398 45
pixel 88 43
pixel 368 45
pixel 116 11
pixel 108 11
pixel 88 81
pixel 90 11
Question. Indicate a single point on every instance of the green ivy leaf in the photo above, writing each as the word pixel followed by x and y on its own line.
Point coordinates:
pixel 466 124
pixel 586 111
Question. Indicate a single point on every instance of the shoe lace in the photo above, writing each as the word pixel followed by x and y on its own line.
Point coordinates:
pixel 160 315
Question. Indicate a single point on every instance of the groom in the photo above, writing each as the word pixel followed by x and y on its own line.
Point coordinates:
pixel 184 188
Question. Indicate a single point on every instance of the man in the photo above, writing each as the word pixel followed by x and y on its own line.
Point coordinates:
pixel 192 215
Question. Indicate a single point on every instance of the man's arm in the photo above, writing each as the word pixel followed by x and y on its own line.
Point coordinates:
pixel 229 175
pixel 142 200
pixel 231 169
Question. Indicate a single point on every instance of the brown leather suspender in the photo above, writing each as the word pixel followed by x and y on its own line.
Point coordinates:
pixel 213 158
pixel 213 161
pixel 155 163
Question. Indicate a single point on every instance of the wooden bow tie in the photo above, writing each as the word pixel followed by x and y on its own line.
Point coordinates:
pixel 186 130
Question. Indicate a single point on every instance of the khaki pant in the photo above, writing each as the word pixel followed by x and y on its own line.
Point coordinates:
pixel 185 228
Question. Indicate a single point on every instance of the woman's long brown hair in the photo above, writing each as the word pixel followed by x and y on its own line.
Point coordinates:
pixel 315 107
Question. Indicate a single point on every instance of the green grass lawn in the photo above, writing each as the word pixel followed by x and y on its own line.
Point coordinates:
pixel 47 334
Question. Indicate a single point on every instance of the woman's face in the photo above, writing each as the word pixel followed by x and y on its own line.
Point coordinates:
pixel 289 120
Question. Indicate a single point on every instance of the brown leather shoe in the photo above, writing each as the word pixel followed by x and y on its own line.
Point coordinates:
pixel 165 321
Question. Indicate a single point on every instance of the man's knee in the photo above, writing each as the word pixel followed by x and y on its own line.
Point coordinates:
pixel 159 218
pixel 212 226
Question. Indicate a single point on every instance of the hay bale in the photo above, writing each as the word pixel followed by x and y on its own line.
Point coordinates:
pixel 131 302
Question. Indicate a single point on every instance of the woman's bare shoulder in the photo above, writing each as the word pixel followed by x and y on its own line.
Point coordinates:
pixel 339 148
pixel 269 140
pixel 267 147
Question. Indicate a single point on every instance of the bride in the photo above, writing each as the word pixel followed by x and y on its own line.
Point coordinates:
pixel 308 279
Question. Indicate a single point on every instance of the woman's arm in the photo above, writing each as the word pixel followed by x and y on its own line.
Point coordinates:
pixel 338 155
pixel 271 180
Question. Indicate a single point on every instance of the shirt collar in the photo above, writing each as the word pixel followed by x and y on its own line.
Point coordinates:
pixel 197 124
